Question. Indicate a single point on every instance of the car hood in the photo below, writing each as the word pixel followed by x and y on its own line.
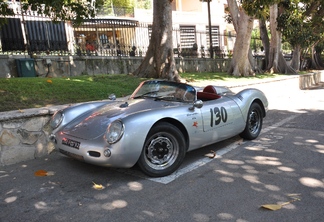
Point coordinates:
pixel 93 123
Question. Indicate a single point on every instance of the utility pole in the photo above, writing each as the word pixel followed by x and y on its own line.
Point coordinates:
pixel 210 29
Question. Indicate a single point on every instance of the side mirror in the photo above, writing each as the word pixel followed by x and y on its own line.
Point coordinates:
pixel 197 104
pixel 112 97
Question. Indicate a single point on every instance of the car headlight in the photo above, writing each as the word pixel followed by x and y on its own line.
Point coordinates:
pixel 56 119
pixel 114 131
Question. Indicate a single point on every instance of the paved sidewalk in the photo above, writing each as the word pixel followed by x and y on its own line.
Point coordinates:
pixel 242 82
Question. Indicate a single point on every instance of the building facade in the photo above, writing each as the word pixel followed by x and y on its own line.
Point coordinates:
pixel 121 32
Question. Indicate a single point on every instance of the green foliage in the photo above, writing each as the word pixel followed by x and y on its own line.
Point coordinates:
pixel 258 8
pixel 57 10
pixel 109 6
pixel 119 3
pixel 23 93
pixel 143 4
pixel 301 23
pixel 63 9
pixel 5 11
pixel 256 42
pixel 286 47
pixel 300 27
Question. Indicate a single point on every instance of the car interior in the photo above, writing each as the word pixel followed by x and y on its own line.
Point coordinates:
pixel 208 93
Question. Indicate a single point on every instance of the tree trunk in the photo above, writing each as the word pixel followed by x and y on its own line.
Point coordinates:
pixel 159 60
pixel 265 41
pixel 243 24
pixel 277 62
pixel 295 61
pixel 317 62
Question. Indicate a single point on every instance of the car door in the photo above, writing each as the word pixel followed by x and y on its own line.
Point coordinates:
pixel 222 118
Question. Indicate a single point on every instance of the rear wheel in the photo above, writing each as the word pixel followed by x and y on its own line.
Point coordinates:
pixel 253 123
pixel 163 151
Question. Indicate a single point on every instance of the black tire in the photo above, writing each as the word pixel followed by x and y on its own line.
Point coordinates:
pixel 253 123
pixel 163 151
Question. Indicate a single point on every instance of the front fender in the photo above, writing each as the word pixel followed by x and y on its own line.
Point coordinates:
pixel 138 126
pixel 246 97
pixel 72 112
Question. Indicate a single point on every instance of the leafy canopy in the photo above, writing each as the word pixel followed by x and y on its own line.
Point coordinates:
pixel 57 10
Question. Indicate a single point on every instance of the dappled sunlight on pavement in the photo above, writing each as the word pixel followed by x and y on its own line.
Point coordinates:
pixel 278 97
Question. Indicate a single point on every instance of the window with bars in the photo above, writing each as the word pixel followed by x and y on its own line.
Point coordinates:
pixel 187 36
pixel 215 36
pixel 44 35
pixel 12 35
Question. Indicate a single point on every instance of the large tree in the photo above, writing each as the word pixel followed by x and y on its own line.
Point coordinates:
pixel 159 60
pixel 265 39
pixel 243 25
pixel 296 29
pixel 260 8
pixel 301 24
pixel 315 12
pixel 277 62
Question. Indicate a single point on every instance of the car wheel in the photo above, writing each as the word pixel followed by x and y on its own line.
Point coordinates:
pixel 253 123
pixel 163 151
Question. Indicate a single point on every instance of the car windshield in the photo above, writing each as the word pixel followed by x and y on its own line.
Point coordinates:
pixel 165 90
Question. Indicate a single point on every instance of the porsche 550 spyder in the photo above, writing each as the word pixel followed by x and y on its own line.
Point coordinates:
pixel 156 125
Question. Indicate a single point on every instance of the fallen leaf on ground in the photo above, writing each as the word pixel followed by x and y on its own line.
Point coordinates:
pixel 293 194
pixel 97 186
pixel 43 173
pixel 211 155
pixel 277 206
pixel 40 173
pixel 272 206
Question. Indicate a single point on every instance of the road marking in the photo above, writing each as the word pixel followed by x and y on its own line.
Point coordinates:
pixel 196 164
pixel 274 126
pixel 219 154
pixel 204 160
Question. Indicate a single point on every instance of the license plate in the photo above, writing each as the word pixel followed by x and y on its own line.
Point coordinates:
pixel 71 143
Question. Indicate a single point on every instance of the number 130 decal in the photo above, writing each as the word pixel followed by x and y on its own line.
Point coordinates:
pixel 220 115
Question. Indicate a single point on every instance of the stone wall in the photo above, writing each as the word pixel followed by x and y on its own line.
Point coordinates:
pixel 59 66
pixel 24 135
pixel 310 80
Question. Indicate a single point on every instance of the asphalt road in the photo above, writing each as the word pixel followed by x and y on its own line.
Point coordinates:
pixel 285 164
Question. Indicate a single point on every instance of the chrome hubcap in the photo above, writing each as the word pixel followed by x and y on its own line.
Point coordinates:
pixel 254 122
pixel 161 153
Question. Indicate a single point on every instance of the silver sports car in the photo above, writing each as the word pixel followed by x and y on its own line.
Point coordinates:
pixel 156 125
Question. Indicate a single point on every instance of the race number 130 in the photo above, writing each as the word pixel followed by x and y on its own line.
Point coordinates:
pixel 217 115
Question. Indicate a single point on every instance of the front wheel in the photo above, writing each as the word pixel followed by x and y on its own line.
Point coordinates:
pixel 163 151
pixel 253 123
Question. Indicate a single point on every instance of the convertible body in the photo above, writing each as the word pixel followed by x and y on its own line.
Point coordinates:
pixel 156 125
